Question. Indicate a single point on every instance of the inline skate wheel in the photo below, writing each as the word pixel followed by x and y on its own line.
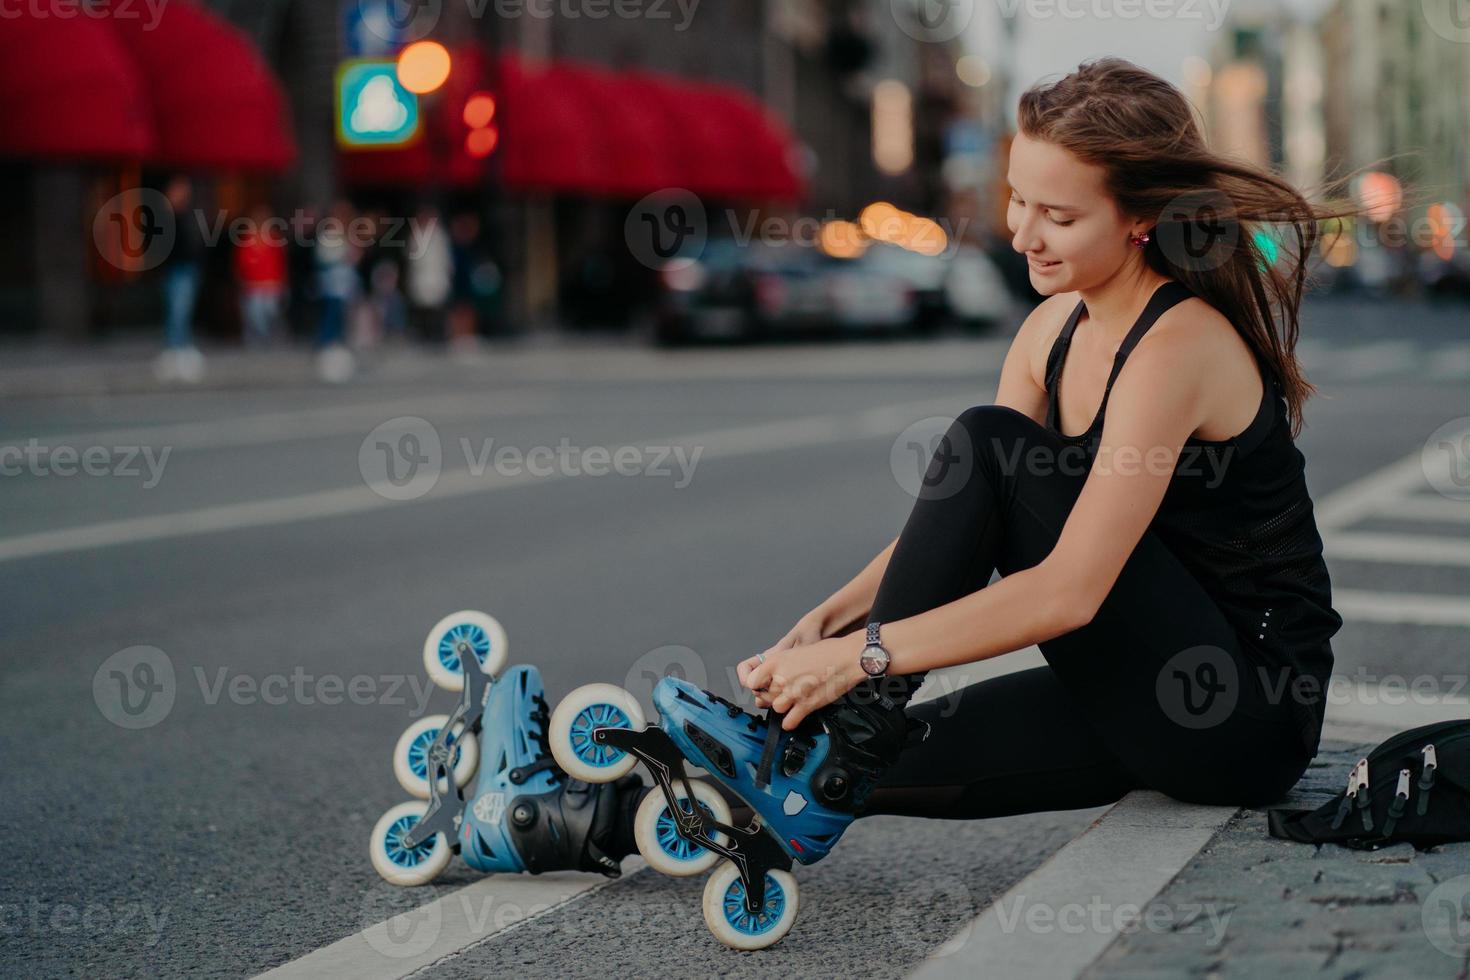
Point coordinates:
pixel 659 841
pixel 732 924
pixel 401 865
pixel 411 756
pixel 481 631
pixel 593 706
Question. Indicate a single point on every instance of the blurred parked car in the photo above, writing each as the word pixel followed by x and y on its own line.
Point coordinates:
pixel 740 291
pixel 763 289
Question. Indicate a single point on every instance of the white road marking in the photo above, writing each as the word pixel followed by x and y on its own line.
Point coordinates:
pixel 812 430
pixel 1422 507
pixel 1364 496
pixel 1375 360
pixel 1125 859
pixel 449 926
pixel 312 423
pixel 1397 706
pixel 1409 549
pixel 1449 361
pixel 1417 608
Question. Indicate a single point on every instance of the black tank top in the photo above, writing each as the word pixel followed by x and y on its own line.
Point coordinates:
pixel 1238 515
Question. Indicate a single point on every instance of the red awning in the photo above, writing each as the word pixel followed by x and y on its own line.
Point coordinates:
pixel 68 90
pixel 568 127
pixel 215 102
pixel 553 138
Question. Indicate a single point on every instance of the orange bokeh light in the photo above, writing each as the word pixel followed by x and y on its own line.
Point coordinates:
pixel 481 142
pixel 423 67
pixel 479 110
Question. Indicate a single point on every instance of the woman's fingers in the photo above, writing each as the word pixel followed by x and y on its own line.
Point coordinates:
pixel 743 669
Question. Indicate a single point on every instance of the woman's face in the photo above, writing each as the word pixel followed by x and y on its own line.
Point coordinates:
pixel 1062 218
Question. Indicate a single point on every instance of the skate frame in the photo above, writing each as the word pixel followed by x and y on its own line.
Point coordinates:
pixel 752 851
pixel 471 707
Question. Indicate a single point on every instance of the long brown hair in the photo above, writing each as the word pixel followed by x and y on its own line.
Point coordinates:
pixel 1142 131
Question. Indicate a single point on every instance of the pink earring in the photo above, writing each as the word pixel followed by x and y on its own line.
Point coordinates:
pixel 1139 240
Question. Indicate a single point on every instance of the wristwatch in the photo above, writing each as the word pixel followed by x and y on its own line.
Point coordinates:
pixel 874 659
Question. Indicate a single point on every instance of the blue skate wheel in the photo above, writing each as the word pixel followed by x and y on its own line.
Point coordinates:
pixel 735 925
pixel 398 863
pixel 483 634
pixel 657 835
pixel 573 726
pixel 411 756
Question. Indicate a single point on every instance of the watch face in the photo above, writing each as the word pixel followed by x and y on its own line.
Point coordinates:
pixel 874 660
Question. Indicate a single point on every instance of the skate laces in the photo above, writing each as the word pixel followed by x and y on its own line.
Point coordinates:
pixel 735 711
pixel 544 760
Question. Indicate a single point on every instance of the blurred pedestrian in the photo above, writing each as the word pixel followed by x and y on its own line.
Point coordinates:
pixel 337 282
pixel 387 299
pixel 430 275
pixel 182 274
pixel 302 307
pixel 260 270
pixel 463 317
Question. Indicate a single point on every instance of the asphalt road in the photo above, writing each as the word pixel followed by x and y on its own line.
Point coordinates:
pixel 228 836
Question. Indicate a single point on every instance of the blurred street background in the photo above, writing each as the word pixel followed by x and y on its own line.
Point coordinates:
pixel 321 319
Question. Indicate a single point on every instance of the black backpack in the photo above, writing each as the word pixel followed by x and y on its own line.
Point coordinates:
pixel 1414 788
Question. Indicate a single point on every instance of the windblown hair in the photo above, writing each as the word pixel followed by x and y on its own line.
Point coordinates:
pixel 1142 131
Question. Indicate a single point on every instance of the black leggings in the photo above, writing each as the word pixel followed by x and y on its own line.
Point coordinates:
pixel 1106 714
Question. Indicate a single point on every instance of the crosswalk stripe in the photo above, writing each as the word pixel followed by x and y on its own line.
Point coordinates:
pixel 1408 549
pixel 1421 507
pixel 1392 607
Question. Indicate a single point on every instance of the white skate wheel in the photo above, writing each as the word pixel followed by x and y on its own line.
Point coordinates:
pixel 400 865
pixel 411 756
pixel 732 924
pixel 659 841
pixel 485 636
pixel 594 706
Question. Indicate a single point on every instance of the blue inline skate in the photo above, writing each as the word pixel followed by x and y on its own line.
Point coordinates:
pixel 805 787
pixel 523 813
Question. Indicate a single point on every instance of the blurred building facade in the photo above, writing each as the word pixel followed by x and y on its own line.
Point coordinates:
pixel 831 70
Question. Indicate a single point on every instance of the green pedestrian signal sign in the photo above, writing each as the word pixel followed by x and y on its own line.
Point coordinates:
pixel 373 109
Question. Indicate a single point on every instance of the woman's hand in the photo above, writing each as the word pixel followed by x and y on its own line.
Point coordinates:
pixel 802 679
pixel 808 629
